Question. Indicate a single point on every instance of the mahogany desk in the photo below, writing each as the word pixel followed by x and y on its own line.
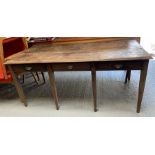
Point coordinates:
pixel 93 56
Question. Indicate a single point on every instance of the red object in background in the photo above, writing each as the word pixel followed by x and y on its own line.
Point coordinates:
pixel 10 46
pixel 2 78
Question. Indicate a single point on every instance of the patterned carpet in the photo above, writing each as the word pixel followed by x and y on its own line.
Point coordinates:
pixel 114 98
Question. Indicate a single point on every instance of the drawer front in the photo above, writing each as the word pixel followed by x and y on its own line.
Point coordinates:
pixel 71 67
pixel 119 65
pixel 29 68
pixel 83 66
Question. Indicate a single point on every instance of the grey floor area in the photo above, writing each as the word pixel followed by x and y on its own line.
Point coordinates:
pixel 114 98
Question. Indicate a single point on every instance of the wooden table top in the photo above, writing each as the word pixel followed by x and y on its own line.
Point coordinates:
pixel 81 52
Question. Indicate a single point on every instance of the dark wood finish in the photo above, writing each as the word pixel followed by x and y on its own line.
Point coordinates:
pixel 53 85
pixel 121 54
pixel 83 66
pixel 93 74
pixel 143 75
pixel 75 40
pixel 119 65
pixel 83 52
pixel 128 75
pixel 18 87
pixel 29 68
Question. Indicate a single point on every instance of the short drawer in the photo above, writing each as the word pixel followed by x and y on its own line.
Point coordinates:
pixel 29 68
pixel 71 67
pixel 119 65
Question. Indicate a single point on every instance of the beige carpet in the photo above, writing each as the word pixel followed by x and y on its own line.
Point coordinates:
pixel 114 98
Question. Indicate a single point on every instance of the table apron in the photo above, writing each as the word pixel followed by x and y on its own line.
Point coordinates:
pixel 83 66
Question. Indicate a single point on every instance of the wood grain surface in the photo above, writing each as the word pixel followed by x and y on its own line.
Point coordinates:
pixel 70 40
pixel 82 52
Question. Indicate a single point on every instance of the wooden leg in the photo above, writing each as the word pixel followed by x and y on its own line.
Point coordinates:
pixel 43 77
pixel 128 75
pixel 93 73
pixel 18 86
pixel 143 75
pixel 53 85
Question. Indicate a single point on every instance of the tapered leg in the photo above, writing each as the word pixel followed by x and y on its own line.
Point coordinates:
pixel 128 76
pixel 93 73
pixel 143 75
pixel 18 86
pixel 53 85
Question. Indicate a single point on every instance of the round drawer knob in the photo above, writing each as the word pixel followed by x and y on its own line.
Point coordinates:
pixel 119 66
pixel 28 68
pixel 70 67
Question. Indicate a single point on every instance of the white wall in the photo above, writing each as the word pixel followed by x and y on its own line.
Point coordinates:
pixel 148 42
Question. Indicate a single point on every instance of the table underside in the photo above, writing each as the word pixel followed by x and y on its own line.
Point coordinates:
pixel 141 65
